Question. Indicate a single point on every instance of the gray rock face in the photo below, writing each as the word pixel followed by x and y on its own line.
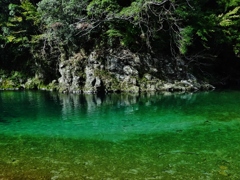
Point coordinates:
pixel 125 71
pixel 72 75
pixel 93 83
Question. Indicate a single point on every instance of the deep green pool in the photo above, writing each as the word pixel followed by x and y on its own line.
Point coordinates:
pixel 46 135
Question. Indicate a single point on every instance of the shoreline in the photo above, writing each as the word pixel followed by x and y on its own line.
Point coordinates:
pixel 176 86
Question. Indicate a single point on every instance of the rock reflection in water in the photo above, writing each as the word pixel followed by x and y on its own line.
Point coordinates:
pixel 121 114
pixel 119 136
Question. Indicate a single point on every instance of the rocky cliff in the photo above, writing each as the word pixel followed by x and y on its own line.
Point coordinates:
pixel 125 71
pixel 113 71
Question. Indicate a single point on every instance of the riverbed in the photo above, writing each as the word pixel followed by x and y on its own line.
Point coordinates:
pixel 47 135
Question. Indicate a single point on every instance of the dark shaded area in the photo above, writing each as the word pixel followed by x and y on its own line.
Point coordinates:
pixel 225 68
pixel 3 121
pixel 124 3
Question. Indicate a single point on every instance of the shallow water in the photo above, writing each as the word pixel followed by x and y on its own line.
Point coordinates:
pixel 46 135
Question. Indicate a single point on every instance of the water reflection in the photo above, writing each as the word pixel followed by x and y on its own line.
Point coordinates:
pixel 90 102
pixel 119 136
pixel 123 115
pixel 118 116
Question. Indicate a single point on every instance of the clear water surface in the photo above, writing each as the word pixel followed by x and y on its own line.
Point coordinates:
pixel 45 135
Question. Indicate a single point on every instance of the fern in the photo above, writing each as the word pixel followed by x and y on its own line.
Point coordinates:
pixel 229 18
pixel 186 39
pixel 114 33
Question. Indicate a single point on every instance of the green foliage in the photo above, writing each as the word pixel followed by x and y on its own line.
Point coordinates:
pixel 229 22
pixel 18 28
pixel 133 10
pixel 10 80
pixel 212 24
pixel 30 12
pixel 186 39
pixel 227 4
pixel 124 34
pixel 17 31
pixel 114 33
pixel 230 18
pixel 54 30
pixel 59 18
pixel 102 8
pixel 34 83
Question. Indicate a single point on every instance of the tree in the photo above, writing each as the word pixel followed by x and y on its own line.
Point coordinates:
pixel 17 32
pixel 41 36
pixel 230 25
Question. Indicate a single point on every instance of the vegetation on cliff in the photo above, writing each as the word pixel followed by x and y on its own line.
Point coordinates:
pixel 36 36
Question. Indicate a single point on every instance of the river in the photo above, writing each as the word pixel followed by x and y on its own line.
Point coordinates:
pixel 46 135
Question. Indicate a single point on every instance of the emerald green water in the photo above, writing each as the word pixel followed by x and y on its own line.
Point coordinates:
pixel 53 136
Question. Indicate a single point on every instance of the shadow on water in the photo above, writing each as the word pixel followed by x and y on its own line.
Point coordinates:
pixel 4 121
